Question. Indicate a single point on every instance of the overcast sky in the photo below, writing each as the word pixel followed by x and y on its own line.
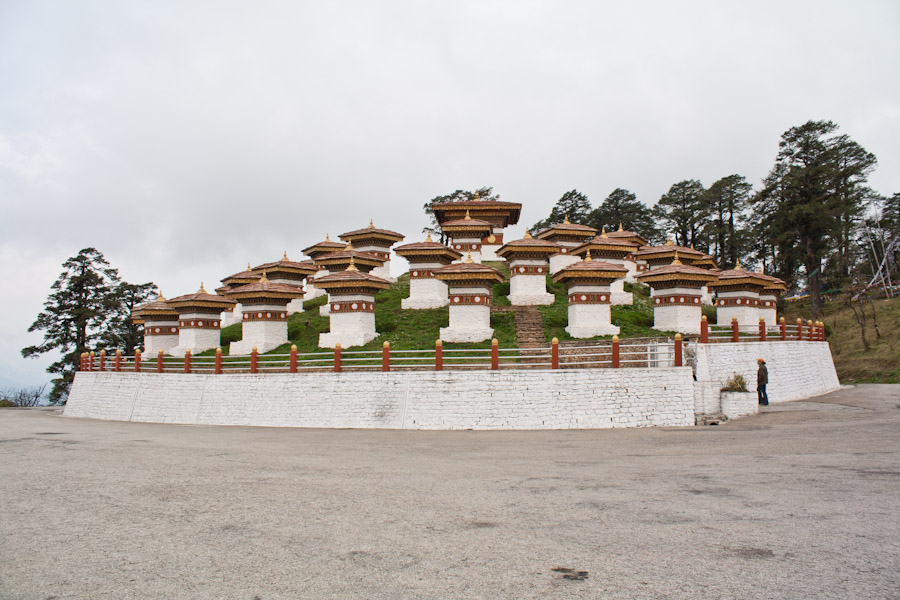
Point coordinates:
pixel 184 139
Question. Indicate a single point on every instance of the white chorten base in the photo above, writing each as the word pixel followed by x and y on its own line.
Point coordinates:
pixel 426 293
pixel 560 261
pixel 590 320
pixel 768 315
pixel 706 296
pixel 295 306
pixel 349 329
pixel 196 340
pixel 618 295
pixel 346 339
pixel 325 309
pixel 264 335
pixel 230 317
pixel 311 290
pixel 468 324
pixel 529 290
pixel 747 316
pixel 680 319
pixel 384 272
pixel 489 252
pixel 154 343
pixel 632 270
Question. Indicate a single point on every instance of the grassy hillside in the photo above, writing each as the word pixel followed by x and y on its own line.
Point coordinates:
pixel 855 364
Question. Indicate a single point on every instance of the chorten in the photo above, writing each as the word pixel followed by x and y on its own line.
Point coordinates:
pixel 160 326
pixel 425 291
pixel 289 272
pixel 198 320
pixel 676 295
pixel 768 298
pixel 315 251
pixel 466 235
pixel 663 255
pixel 341 260
pixel 588 283
pixel 230 317
pixel 737 296
pixel 628 236
pixel 264 314
pixel 352 309
pixel 471 288
pixel 617 251
pixel 569 236
pixel 528 269
pixel 498 214
pixel 377 242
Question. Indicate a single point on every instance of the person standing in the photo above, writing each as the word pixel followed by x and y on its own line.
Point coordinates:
pixel 762 378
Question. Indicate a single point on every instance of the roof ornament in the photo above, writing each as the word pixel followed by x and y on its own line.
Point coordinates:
pixel 468 218
pixel 620 226
pixel 762 268
pixel 349 245
pixel 566 220
pixel 676 260
pixel 669 241
pixel 737 267
pixel 469 258
pixel 285 256
pixel 477 196
pixel 249 267
pixel 352 265
pixel 588 257
pixel 264 279
pixel 327 238
pixel 603 232
pixel 160 297
pixel 371 224
pixel 202 290
pixel 428 237
pixel 527 235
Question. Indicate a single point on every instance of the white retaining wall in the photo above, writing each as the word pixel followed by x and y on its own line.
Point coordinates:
pixel 534 399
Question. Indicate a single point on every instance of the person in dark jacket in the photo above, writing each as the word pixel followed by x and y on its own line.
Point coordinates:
pixel 762 378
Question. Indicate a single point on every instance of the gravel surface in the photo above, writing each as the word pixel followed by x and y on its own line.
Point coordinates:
pixel 801 501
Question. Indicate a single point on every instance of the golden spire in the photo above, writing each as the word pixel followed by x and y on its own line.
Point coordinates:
pixel 202 290
pixel 738 267
pixel 676 260
pixel 468 218
pixel 428 237
pixel 527 235
pixel 371 224
pixel 692 245
pixel 327 237
pixel 264 279
pixel 352 265
pixel 620 226
pixel 669 241
pixel 761 269
pixel 285 256
pixel 160 297
pixel 477 196
pixel 603 232
pixel 349 245
pixel 469 258
pixel 566 220
pixel 249 267
pixel 588 257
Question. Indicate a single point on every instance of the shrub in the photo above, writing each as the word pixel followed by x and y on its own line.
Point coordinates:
pixel 737 383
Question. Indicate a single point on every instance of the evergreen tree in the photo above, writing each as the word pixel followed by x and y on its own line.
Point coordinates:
pixel 622 207
pixel 122 332
pixel 727 200
pixel 683 210
pixel 484 193
pixel 573 204
pixel 76 315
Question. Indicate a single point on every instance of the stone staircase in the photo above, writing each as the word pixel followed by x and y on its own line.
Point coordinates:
pixel 529 327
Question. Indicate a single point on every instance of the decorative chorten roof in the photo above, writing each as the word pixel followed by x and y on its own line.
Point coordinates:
pixel 739 278
pixel 341 260
pixel 502 214
pixel 661 255
pixel 605 246
pixel 324 247
pixel 238 279
pixel 287 267
pixel 589 270
pixel 467 224
pixel 351 279
pixel 266 290
pixel 158 310
pixel 427 250
pixel 469 272
pixel 678 273
pixel 528 247
pixel 628 236
pixel 372 234
pixel 200 299
pixel 566 231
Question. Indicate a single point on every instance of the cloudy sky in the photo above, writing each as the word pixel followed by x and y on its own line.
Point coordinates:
pixel 184 139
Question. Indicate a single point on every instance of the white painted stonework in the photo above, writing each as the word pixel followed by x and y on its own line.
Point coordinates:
pixel 632 270
pixel 747 316
pixel 589 320
pixel 560 261
pixel 739 404
pixel 706 296
pixel 154 343
pixel 196 340
pixel 325 309
pixel 295 306
pixel 263 335
pixel 681 318
pixel 425 293
pixel 528 290
pixel 468 323
pixel 619 296
pixel 768 313
pixel 311 290
pixel 350 328
pixel 534 399
pixel 464 244
pixel 230 317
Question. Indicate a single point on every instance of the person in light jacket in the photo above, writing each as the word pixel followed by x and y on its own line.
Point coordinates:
pixel 762 378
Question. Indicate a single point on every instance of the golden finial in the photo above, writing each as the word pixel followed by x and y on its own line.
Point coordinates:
pixel 352 265
pixel 202 290
pixel 588 257
pixel 327 237
pixel 349 245
pixel 737 267
pixel 428 237
pixel 566 220
pixel 264 279
pixel 469 258
pixel 160 297
pixel 692 245
pixel 285 256
pixel 468 218
pixel 669 241
pixel 477 196
pixel 371 224
pixel 620 226
pixel 603 232
pixel 676 260
pixel 527 235
pixel 249 267
pixel 761 269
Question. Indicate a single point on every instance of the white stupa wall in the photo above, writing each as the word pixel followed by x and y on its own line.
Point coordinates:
pixel 311 290
pixel 742 305
pixel 466 245
pixel 527 288
pixel 295 306
pixel 632 270
pixel 353 328
pixel 681 316
pixel 468 322
pixel 767 310
pixel 561 260
pixel 489 251
pixel 230 317
pixel 590 319
pixel 160 335
pixel 197 338
pixel 260 332
pixel 425 292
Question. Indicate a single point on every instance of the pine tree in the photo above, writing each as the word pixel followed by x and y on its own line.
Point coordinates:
pixel 727 200
pixel 683 210
pixel 573 204
pixel 76 315
pixel 623 208
pixel 122 332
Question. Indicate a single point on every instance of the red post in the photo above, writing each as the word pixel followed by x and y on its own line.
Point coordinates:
pixel 102 359
pixel 704 330
pixel 218 363
pixel 679 357
pixel 117 366
pixel 438 355
pixel 254 360
pixel 554 354
pixel 799 329
pixel 762 330
pixel 159 362
pixel 137 360
pixel 337 358
pixel 810 333
pixel 821 331
pixel 783 327
pixel 495 355
pixel 293 358
pixel 615 352
pixel 91 361
pixel 82 365
pixel 734 329
pixel 386 356
pixel 187 361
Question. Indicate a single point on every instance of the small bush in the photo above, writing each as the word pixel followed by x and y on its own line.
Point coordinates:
pixel 737 383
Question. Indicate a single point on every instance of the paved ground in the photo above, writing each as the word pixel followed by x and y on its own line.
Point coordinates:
pixel 802 501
